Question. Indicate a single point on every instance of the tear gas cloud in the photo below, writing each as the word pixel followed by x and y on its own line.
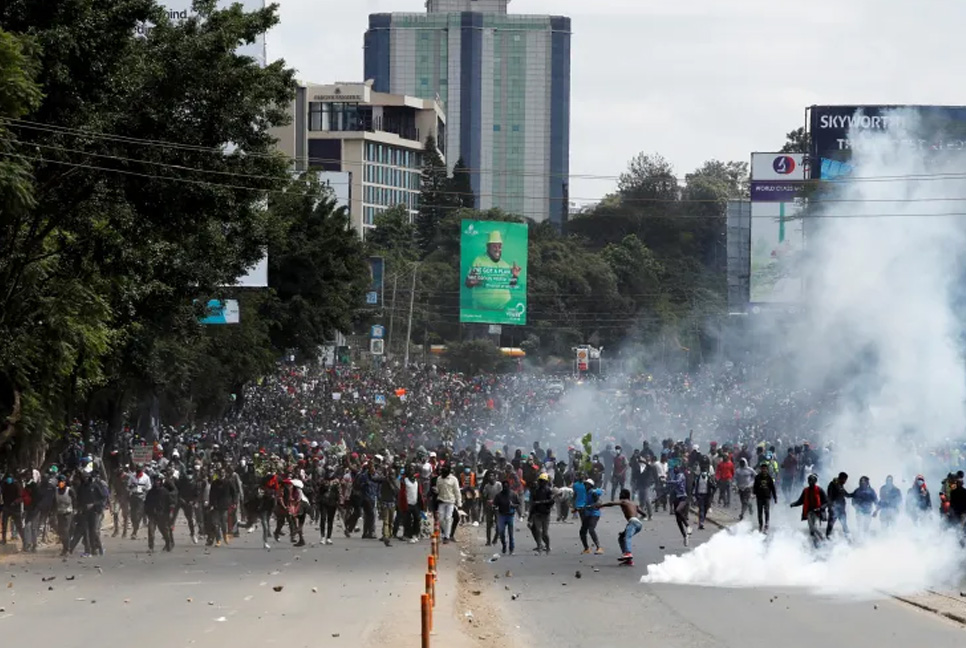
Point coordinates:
pixel 880 324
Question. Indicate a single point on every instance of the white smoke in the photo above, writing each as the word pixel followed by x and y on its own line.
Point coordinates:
pixel 915 559
pixel 884 257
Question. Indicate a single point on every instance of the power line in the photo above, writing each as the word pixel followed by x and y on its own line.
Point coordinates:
pixel 65 130
pixel 681 216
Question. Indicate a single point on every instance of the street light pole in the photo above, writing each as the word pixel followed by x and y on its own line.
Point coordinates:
pixel 409 325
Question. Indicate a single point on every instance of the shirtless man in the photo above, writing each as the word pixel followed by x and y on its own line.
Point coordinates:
pixel 631 510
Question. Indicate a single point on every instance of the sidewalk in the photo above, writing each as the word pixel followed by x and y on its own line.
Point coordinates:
pixel 948 603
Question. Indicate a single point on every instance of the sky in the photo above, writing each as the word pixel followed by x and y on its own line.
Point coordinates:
pixel 691 80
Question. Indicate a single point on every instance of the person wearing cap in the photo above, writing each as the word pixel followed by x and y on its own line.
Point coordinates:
pixel 490 277
pixel 586 494
pixel 541 504
pixel 765 494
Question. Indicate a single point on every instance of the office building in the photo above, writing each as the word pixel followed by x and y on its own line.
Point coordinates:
pixel 378 138
pixel 504 82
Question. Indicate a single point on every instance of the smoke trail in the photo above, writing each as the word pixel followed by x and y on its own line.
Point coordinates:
pixel 880 326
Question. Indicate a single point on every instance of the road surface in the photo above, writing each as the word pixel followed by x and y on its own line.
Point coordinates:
pixel 365 594
pixel 609 606
pixel 360 593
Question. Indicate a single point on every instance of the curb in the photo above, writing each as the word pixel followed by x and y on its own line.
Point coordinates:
pixel 958 618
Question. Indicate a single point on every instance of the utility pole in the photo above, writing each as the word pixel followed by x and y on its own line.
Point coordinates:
pixel 409 326
pixel 392 313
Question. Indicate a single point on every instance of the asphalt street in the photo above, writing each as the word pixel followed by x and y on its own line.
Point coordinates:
pixel 548 605
pixel 358 592
pixel 355 592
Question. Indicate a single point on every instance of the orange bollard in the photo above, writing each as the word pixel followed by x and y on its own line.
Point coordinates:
pixel 429 586
pixel 434 548
pixel 426 613
pixel 431 565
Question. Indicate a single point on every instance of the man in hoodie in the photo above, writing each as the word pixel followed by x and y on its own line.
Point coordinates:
pixel 744 482
pixel 450 499
pixel 864 500
pixel 765 494
pixel 702 491
pixel 541 504
pixel 221 496
pixel 158 505
pixel 890 499
pixel 836 498
pixel 388 482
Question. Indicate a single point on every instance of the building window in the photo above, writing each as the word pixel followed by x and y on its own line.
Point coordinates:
pixel 315 116
pixel 496 128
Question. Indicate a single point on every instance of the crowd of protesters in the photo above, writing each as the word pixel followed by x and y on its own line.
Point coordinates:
pixel 389 453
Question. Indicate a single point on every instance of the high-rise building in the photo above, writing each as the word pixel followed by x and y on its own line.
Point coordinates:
pixel 375 139
pixel 504 82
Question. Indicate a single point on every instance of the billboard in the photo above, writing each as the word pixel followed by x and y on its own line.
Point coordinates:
pixel 940 128
pixel 222 312
pixel 777 232
pixel 493 272
pixel 377 273
pixel 179 10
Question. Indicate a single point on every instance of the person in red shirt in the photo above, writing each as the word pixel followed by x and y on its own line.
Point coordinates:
pixel 814 503
pixel 724 474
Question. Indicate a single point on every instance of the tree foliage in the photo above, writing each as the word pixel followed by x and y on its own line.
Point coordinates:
pixel 434 198
pixel 133 188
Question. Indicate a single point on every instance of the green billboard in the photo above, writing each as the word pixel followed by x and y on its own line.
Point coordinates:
pixel 493 272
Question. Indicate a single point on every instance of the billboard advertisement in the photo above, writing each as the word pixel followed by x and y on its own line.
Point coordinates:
pixel 377 273
pixel 777 232
pixel 940 128
pixel 493 272
pixel 179 10
pixel 222 312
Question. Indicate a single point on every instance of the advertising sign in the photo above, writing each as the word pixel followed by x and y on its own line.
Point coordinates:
pixel 180 10
pixel 377 272
pixel 493 272
pixel 222 312
pixel 777 232
pixel 937 128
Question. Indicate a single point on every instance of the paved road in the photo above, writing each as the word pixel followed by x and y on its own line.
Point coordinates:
pixel 367 595
pixel 609 606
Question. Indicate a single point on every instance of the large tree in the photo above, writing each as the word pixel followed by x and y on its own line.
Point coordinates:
pixel 152 159
pixel 461 187
pixel 434 200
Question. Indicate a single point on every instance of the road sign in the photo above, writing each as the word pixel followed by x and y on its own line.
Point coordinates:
pixel 377 332
pixel 380 399
pixel 377 346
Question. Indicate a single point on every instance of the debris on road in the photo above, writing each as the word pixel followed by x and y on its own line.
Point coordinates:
pixel 278 588
pixel 578 574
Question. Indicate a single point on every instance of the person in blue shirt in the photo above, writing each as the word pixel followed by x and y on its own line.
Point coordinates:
pixel 586 496
pixel 678 488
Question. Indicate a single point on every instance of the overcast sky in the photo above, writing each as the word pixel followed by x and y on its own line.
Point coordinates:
pixel 691 79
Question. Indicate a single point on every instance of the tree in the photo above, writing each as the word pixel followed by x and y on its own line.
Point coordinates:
pixel 797 141
pixel 393 236
pixel 318 269
pixel 460 187
pixel 648 176
pixel 126 234
pixel 434 201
